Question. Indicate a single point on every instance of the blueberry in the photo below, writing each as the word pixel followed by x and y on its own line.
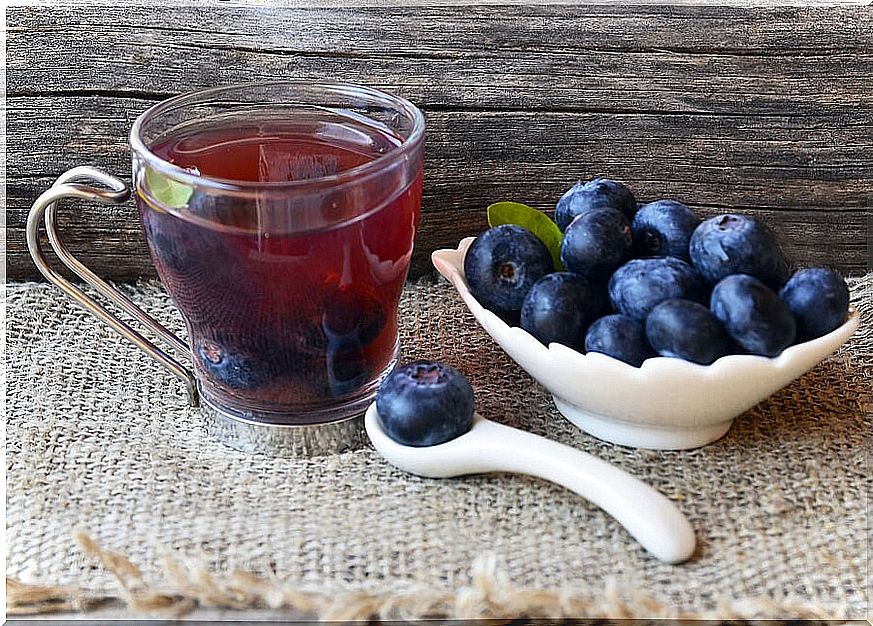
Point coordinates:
pixel 172 240
pixel 235 369
pixel 347 366
pixel 596 243
pixel 559 308
pixel 502 264
pixel 818 299
pixel 687 330
pixel 600 193
pixel 753 315
pixel 223 208
pixel 620 337
pixel 737 244
pixel 425 403
pixel 640 285
pixel 352 319
pixel 664 228
pixel 326 342
pixel 186 249
pixel 353 312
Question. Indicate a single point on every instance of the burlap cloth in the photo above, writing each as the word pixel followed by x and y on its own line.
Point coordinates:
pixel 100 440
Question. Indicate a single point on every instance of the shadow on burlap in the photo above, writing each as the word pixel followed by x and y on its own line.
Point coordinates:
pixel 100 440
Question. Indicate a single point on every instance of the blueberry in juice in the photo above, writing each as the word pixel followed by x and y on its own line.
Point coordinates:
pixel 289 288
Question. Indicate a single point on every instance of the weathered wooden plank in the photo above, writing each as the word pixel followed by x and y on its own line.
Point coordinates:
pixel 719 160
pixel 492 60
pixel 435 30
pixel 817 165
pixel 766 110
pixel 429 4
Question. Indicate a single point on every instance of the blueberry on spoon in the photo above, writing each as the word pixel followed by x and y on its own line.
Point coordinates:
pixel 422 422
pixel 425 403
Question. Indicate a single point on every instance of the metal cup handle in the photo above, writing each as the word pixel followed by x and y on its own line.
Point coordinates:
pixel 45 208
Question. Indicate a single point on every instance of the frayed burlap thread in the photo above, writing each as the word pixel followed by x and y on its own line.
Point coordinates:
pixel 490 596
pixel 31 599
pixel 100 437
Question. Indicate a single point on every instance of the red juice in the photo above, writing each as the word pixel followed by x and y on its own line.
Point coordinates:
pixel 290 287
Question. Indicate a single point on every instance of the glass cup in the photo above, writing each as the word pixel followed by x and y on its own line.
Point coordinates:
pixel 280 217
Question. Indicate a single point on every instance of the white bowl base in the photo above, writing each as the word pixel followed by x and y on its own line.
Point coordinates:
pixel 641 436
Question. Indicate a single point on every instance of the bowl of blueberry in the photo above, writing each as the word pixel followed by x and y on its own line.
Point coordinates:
pixel 650 326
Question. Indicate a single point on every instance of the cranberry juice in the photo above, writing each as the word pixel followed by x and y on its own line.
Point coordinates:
pixel 289 289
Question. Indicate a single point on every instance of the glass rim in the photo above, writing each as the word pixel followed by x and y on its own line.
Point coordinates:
pixel 178 173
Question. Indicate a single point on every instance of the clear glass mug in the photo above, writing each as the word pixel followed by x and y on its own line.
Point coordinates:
pixel 280 217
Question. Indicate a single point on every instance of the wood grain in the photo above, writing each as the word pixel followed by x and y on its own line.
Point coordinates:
pixel 764 110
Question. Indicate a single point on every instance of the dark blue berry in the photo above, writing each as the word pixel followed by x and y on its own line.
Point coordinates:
pixel 620 337
pixel 187 251
pixel 640 285
pixel 737 244
pixel 347 366
pixel 559 308
pixel 818 299
pixel 353 312
pixel 425 403
pixel 352 319
pixel 177 245
pixel 233 368
pixel 687 330
pixel 501 266
pixel 664 228
pixel 220 207
pixel 600 193
pixel 753 315
pixel 596 243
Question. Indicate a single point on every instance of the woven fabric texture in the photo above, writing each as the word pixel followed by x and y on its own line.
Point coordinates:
pixel 99 438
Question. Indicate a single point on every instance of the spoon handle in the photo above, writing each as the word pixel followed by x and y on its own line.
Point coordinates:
pixel 653 520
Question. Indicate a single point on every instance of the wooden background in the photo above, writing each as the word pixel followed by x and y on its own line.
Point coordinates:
pixel 767 111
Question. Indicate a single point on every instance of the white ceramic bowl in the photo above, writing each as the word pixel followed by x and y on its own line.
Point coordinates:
pixel 667 404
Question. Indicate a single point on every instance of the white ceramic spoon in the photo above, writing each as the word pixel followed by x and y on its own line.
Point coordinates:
pixel 648 516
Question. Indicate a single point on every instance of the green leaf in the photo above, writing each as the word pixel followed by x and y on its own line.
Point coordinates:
pixel 171 193
pixel 535 221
